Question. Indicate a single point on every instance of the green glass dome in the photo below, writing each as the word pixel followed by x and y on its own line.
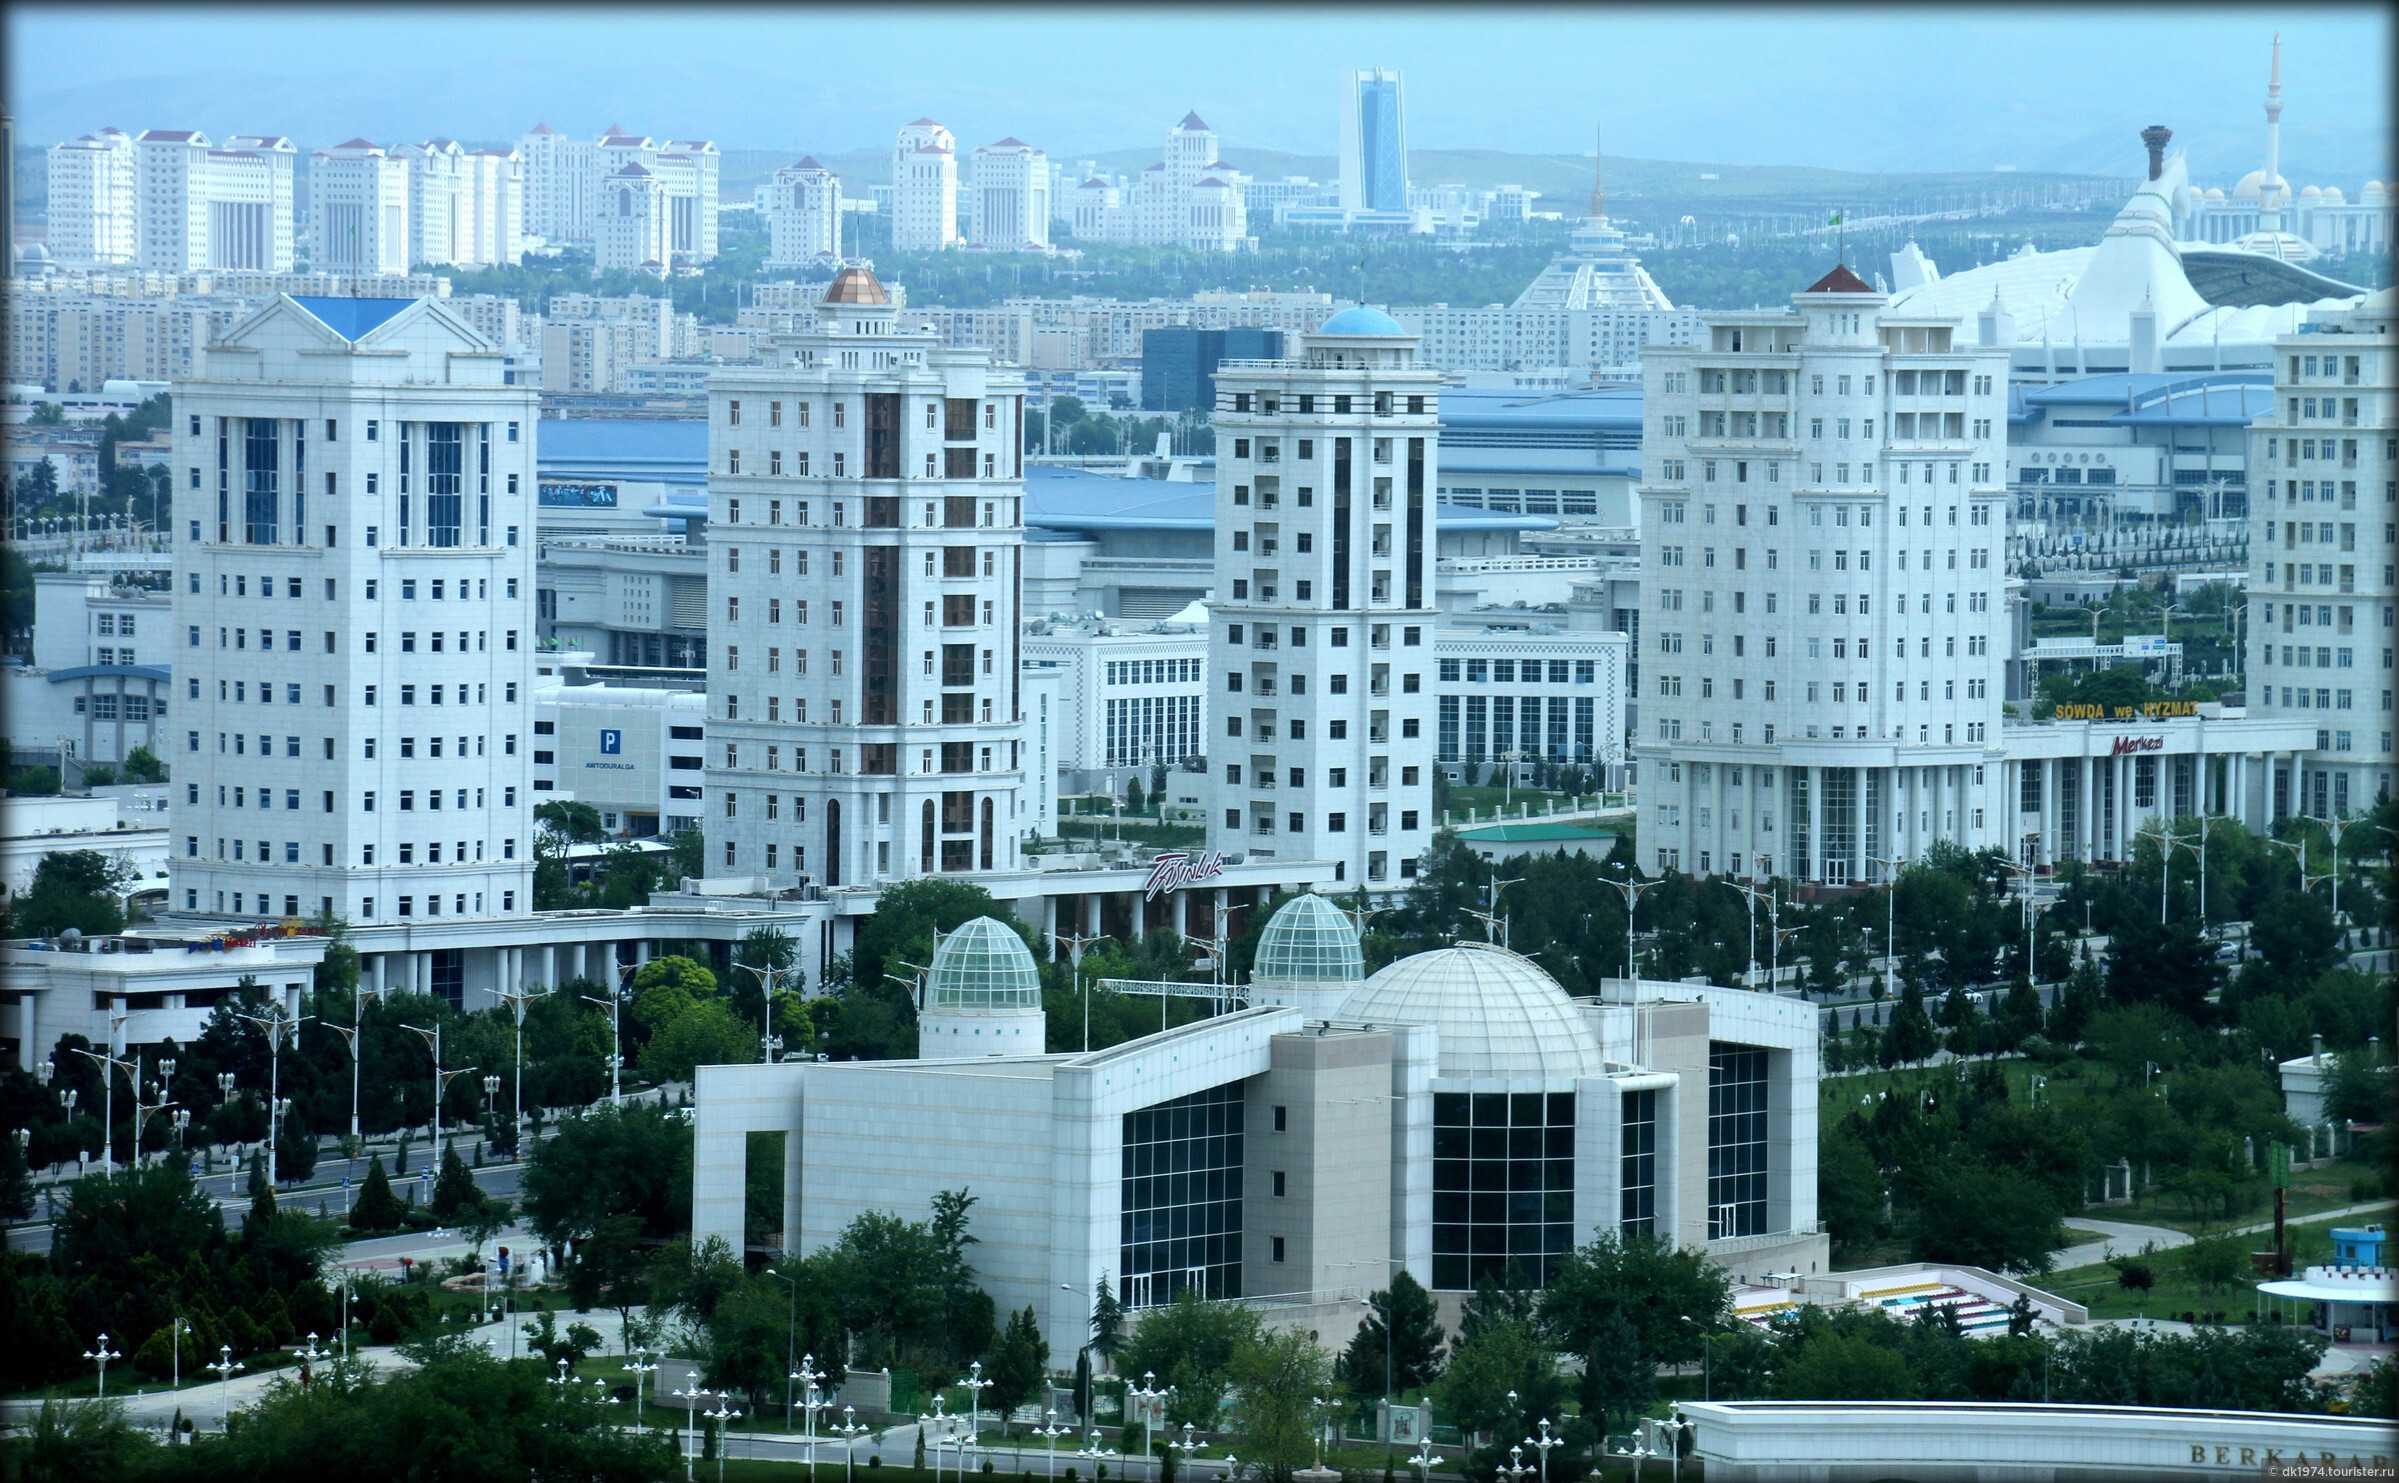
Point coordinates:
pixel 983 965
pixel 1308 941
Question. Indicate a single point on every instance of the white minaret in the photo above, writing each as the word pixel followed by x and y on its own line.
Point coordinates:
pixel 354 619
pixel 865 555
pixel 1320 634
pixel 2270 198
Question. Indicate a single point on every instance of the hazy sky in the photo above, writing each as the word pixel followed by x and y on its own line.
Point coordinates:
pixel 1862 88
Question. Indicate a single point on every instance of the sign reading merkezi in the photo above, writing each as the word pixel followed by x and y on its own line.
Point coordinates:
pixel 1179 868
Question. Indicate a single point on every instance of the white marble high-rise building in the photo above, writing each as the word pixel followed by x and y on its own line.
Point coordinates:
pixel 1823 543
pixel 865 549
pixel 1011 189
pixel 354 618
pixel 93 187
pixel 358 209
pixel 803 215
pixel 558 184
pixel 201 207
pixel 1321 632
pixel 465 206
pixel 1190 198
pixel 629 233
pixel 687 172
pixel 924 188
pixel 2324 584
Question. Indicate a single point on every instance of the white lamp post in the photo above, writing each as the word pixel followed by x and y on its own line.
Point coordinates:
pixel 850 1430
pixel 1317 1405
pixel 441 1081
pixel 690 1395
pixel 1149 1394
pixel 1423 1460
pixel 1544 1443
pixel 724 1412
pixel 937 1421
pixel 225 1367
pixel 1189 1447
pixel 1517 1467
pixel 1672 1429
pixel 1093 1452
pixel 615 1003
pixel 101 1356
pixel 1639 1452
pixel 638 1364
pixel 975 1386
pixel 809 1374
pixel 273 1025
pixel 1051 1433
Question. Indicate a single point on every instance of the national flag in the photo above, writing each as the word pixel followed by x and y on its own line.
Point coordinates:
pixel 1836 221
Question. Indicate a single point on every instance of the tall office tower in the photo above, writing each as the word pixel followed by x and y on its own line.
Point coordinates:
pixel 803 215
pixel 1012 197
pixel 440 215
pixel 358 199
pixel 924 188
pixel 495 199
pixel 2324 491
pixel 354 607
pixel 558 184
pixel 8 195
pixel 200 207
pixel 1823 530
pixel 630 230
pixel 1321 631
pixel 687 176
pixel 1374 142
pixel 865 547
pixel 92 193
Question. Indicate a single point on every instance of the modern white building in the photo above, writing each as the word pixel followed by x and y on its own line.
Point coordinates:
pixel 803 215
pixel 358 200
pixel 353 496
pixel 865 552
pixel 1516 696
pixel 2324 509
pixel 1374 142
pixel 924 188
pixel 635 753
pixel 2263 214
pixel 1321 630
pixel 1456 1115
pixel 1134 695
pixel 558 184
pixel 466 207
pixel 1190 198
pixel 1823 521
pixel 98 685
pixel 629 233
pixel 1011 191
pixel 204 207
pixel 93 191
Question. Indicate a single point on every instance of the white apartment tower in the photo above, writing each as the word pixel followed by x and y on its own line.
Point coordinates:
pixel 2324 513
pixel 558 184
pixel 803 215
pixel 1823 529
pixel 1320 640
pixel 924 188
pixel 465 206
pixel 354 498
pixel 630 231
pixel 93 187
pixel 687 178
pixel 200 207
pixel 1012 197
pixel 358 200
pixel 865 548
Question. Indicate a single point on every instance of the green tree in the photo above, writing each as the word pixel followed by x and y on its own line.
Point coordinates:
pixel 1491 1303
pixel 377 1208
pixel 1019 1363
pixel 1400 1341
pixel 1275 1378
pixel 577 823
pixel 1666 1295
pixel 1911 1037
pixel 142 766
pixel 702 1034
pixel 665 987
pixel 1473 1391
pixel 1841 1367
pixel 454 1188
pixel 1191 1346
pixel 1987 1216
pixel 71 888
pixel 632 1160
pixel 1107 1321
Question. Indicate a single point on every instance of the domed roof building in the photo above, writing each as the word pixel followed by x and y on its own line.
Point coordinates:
pixel 1498 1014
pixel 1307 958
pixel 1361 319
pixel 982 995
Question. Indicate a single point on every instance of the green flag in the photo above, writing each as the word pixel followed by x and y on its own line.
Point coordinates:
pixel 1836 221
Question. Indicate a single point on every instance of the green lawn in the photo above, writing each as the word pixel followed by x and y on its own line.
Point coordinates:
pixel 124 1380
pixel 2097 1288
pixel 2329 1186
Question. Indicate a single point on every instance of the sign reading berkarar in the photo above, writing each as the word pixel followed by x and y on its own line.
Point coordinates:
pixel 1176 869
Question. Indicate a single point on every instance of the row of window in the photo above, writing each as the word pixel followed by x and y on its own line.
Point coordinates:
pixel 952 416
pixel 882 512
pixel 1505 671
pixel 333 429
pixel 1670 729
pixel 881 759
pixel 1343 404
pixel 265 852
pixel 235 904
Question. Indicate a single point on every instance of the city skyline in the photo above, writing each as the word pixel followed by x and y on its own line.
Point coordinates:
pixel 73 71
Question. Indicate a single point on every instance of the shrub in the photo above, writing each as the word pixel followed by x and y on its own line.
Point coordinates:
pixel 875 1461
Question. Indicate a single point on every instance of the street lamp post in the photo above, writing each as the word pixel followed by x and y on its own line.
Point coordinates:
pixel 975 1386
pixel 615 1003
pixel 225 1367
pixel 1707 1358
pixel 1075 943
pixel 1317 1404
pixel 1188 1447
pixel 1673 1428
pixel 723 1413
pixel 1890 922
pixel 937 1420
pixel 1149 1395
pixel 1517 1467
pixel 791 1341
pixel 809 1376
pixel 1051 1432
pixel 441 1081
pixel 639 1364
pixel 1544 1443
pixel 1092 1451
pixel 274 1024
pixel 518 1001
pixel 1751 895
pixel 768 1041
pixel 690 1394
pixel 1639 1452
pixel 108 1104
pixel 101 1356
pixel 1423 1460
pixel 1632 887
pixel 850 1429
pixel 2335 826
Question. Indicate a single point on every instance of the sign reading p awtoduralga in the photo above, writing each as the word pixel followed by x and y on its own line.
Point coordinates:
pixel 2149 710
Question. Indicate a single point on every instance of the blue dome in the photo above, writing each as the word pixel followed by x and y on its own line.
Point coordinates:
pixel 1361 321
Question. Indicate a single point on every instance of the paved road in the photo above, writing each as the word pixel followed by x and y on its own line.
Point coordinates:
pixel 2127 1238
pixel 499 1180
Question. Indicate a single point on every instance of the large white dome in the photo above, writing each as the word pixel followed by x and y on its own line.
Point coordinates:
pixel 983 965
pixel 1498 1014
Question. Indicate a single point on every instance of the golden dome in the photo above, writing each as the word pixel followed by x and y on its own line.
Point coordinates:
pixel 856 286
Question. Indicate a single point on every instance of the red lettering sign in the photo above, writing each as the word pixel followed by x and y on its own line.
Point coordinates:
pixel 1179 868
pixel 2127 744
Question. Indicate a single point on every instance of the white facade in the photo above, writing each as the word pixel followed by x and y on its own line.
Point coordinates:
pixel 634 754
pixel 1134 697
pixel 924 188
pixel 558 184
pixel 93 188
pixel 1594 309
pixel 865 551
pixel 465 206
pixel 353 486
pixel 803 215
pixel 203 207
pixel 98 685
pixel 1011 197
pixel 1546 697
pixel 629 233
pixel 358 200
pixel 1190 199
pixel 1823 523
pixel 2323 502
pixel 1321 631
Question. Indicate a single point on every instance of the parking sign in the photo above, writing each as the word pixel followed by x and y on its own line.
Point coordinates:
pixel 612 742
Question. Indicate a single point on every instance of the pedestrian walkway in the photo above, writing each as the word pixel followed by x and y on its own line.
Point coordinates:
pixel 2125 1238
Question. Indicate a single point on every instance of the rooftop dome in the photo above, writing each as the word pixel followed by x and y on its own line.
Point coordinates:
pixel 1361 320
pixel 1308 941
pixel 1498 1014
pixel 983 965
pixel 856 286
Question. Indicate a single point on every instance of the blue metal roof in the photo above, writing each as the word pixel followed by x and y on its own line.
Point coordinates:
pixel 1361 320
pixel 624 440
pixel 2214 406
pixel 1604 407
pixel 1536 462
pixel 352 319
pixel 2214 398
pixel 110 671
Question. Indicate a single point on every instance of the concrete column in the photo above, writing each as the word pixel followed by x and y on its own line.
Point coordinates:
pixel 2086 827
pixel 2053 772
pixel 1222 905
pixel 1141 915
pixel 1049 917
pixel 420 973
pixel 641 951
pixel 1088 906
pixel 1857 835
pixel 1815 861
pixel 29 1029
pixel 791 1189
pixel 549 964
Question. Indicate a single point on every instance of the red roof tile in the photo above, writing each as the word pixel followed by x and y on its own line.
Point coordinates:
pixel 1840 281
